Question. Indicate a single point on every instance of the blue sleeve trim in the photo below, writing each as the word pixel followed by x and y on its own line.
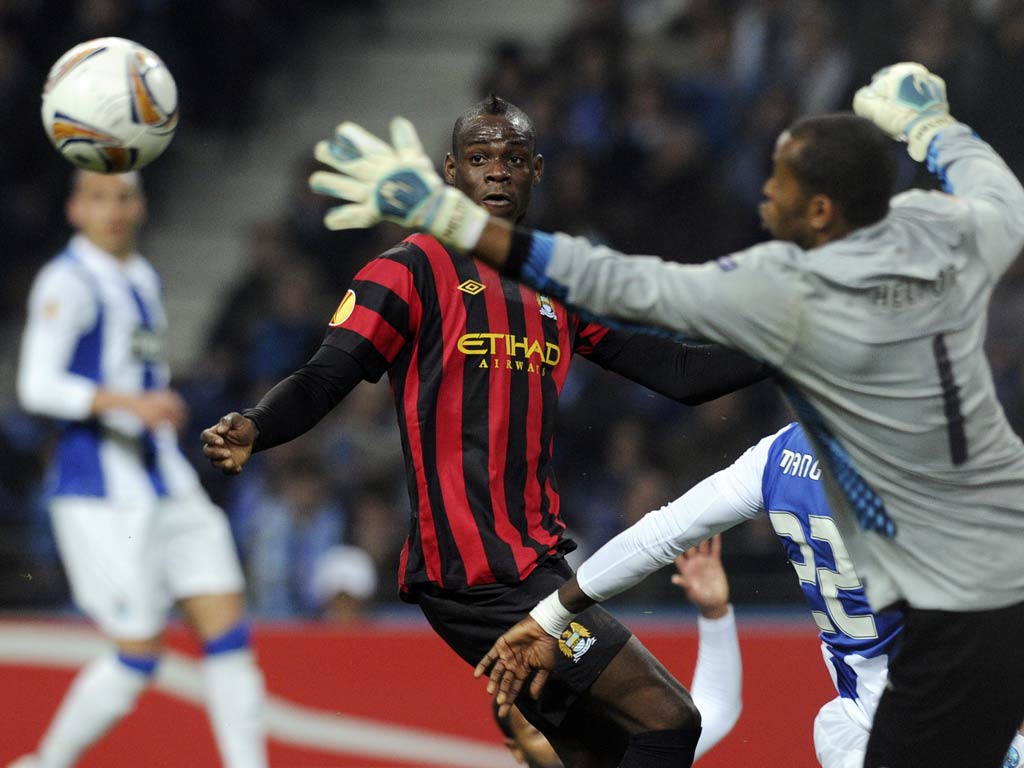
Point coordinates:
pixel 533 270
pixel 144 664
pixel 932 159
pixel 235 639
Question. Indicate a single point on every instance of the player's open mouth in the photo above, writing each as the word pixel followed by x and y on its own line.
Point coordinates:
pixel 497 201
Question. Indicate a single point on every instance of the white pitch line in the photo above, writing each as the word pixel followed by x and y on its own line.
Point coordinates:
pixel 288 722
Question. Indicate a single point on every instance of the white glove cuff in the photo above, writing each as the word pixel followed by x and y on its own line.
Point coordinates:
pixel 552 615
pixel 921 132
pixel 456 220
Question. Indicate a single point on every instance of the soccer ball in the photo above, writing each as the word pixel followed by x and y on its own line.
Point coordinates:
pixel 110 105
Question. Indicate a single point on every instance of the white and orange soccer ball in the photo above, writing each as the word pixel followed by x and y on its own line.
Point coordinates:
pixel 110 105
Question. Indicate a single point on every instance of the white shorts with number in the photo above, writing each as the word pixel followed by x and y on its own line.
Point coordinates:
pixel 128 564
pixel 840 735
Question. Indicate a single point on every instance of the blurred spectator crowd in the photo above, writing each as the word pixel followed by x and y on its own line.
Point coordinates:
pixel 657 121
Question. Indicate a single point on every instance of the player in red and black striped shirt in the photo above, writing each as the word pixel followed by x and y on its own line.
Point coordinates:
pixel 476 364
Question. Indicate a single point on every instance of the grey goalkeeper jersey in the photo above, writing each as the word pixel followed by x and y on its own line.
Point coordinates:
pixel 880 336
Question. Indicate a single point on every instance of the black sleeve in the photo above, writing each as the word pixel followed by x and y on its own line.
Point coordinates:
pixel 518 251
pixel 296 404
pixel 690 373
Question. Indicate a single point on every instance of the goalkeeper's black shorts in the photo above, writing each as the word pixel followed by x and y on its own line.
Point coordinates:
pixel 955 695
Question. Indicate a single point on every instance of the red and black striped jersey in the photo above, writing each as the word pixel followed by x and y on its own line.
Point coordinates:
pixel 476 364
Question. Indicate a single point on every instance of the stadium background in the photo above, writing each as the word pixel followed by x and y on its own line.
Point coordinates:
pixel 656 119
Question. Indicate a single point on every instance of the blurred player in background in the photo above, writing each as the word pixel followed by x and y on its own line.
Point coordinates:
pixel 874 315
pixel 135 530
pixel 476 364
pixel 717 687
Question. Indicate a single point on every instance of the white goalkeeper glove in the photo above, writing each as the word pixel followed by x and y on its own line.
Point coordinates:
pixel 395 182
pixel 907 102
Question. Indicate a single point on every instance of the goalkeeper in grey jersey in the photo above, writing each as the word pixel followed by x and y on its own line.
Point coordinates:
pixel 874 316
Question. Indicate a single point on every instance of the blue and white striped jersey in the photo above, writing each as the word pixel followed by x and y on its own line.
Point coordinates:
pixel 856 642
pixel 96 322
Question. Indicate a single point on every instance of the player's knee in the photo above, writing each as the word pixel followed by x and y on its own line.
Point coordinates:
pixel 213 615
pixel 671 709
pixel 683 716
pixel 149 648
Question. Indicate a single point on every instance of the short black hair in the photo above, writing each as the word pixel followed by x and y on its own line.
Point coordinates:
pixel 494 105
pixel 848 158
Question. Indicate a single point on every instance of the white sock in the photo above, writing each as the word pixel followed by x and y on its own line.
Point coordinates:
pixel 102 693
pixel 234 700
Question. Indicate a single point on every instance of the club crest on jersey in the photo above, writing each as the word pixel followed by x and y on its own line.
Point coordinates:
pixel 471 286
pixel 576 641
pixel 1012 758
pixel 344 310
pixel 547 309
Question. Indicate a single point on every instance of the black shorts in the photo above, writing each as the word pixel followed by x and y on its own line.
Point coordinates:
pixel 955 695
pixel 471 620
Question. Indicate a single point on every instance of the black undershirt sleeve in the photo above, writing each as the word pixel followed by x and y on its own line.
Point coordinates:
pixel 519 249
pixel 296 404
pixel 689 373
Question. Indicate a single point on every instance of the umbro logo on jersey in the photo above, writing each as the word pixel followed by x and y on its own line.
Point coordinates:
pixel 472 287
pixel 547 309
pixel 576 641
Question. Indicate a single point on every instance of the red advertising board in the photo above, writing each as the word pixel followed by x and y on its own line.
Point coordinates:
pixel 388 694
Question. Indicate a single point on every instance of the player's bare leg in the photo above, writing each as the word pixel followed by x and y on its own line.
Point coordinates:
pixel 234 685
pixel 646 705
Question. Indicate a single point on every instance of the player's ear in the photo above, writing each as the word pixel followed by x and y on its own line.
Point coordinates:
pixel 821 212
pixel 538 169
pixel 449 169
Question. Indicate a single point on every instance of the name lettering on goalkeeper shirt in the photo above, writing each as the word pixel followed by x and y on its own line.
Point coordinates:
pixel 905 292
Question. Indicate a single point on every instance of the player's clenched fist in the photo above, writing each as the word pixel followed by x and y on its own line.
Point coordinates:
pixel 228 443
